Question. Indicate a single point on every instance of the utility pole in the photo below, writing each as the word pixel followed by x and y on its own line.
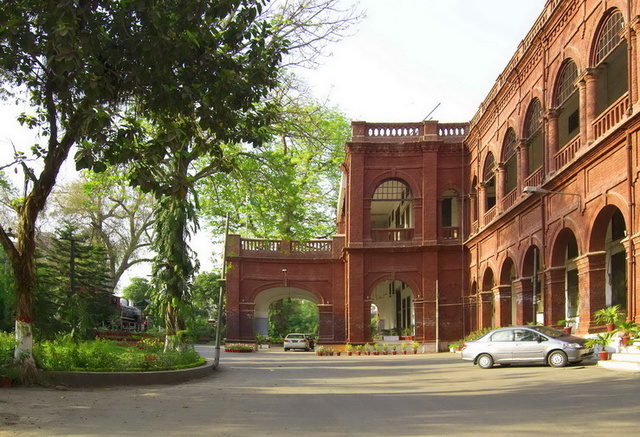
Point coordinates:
pixel 223 284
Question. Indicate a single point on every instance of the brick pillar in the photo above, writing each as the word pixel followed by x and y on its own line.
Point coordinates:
pixel 633 275
pixel 482 204
pixel 500 186
pixel 588 105
pixel 524 301
pixel 553 139
pixel 247 310
pixel 502 305
pixel 555 295
pixel 358 305
pixel 325 331
pixel 485 309
pixel 523 164
pixel 592 283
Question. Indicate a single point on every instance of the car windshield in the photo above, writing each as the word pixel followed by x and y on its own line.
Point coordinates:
pixel 549 332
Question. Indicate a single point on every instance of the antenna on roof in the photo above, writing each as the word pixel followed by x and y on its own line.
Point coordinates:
pixel 432 111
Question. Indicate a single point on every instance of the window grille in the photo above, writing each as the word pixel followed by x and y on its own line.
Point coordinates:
pixel 610 36
pixel 534 119
pixel 509 145
pixel 392 190
pixel 566 85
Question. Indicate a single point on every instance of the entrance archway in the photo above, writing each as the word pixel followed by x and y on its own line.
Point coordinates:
pixel 565 290
pixel 395 310
pixel 266 298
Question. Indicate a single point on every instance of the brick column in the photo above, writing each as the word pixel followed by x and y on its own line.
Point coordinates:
pixel 325 330
pixel 524 301
pixel 555 295
pixel 553 139
pixel 502 305
pixel 592 283
pixel 485 309
pixel 246 321
pixel 523 164
pixel 588 102
pixel 500 186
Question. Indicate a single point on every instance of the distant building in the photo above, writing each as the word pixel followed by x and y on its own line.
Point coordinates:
pixel 526 214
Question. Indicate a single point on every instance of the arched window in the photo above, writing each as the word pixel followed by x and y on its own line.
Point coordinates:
pixel 449 215
pixel 510 159
pixel 610 57
pixel 489 181
pixel 391 210
pixel 533 135
pixel 567 102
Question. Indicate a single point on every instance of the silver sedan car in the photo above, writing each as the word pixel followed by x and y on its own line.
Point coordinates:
pixel 526 344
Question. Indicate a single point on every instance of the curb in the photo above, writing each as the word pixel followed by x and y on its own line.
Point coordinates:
pixel 111 379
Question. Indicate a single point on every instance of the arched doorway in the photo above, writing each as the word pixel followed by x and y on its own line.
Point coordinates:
pixel 533 287
pixel 395 315
pixel 269 300
pixel 565 289
pixel 508 293
pixel 608 236
pixel 486 313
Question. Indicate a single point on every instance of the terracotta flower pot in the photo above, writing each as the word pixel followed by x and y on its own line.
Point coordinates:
pixel 604 355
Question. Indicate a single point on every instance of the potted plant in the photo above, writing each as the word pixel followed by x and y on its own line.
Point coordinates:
pixel 394 350
pixel 319 351
pixel 403 348
pixel 610 316
pixel 359 349
pixel 415 345
pixel 407 334
pixel 376 349
pixel 349 349
pixel 367 349
pixel 601 340
pixel 567 324
pixel 628 329
pixel 385 348
pixel 8 375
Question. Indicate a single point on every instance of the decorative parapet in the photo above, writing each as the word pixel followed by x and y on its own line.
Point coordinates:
pixel 406 132
pixel 272 248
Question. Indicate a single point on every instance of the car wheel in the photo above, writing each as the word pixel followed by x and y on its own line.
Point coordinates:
pixel 285 349
pixel 557 359
pixel 485 361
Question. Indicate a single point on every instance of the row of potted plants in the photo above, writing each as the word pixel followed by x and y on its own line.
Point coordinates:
pixel 370 349
pixel 239 348
pixel 617 324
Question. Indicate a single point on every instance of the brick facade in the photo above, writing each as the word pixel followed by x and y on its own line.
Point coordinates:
pixel 443 227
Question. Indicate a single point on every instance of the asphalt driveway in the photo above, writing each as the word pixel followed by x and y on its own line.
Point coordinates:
pixel 276 393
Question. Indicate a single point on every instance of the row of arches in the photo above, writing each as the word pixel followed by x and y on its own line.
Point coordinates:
pixel 574 276
pixel 526 150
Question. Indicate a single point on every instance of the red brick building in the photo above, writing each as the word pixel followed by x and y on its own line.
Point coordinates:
pixel 526 213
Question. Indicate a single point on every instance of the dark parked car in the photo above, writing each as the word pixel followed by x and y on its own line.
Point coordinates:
pixel 526 344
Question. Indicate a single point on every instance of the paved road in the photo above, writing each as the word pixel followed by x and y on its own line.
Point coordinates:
pixel 273 393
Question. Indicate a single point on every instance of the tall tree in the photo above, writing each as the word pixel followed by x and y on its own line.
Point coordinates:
pixel 117 215
pixel 86 64
pixel 214 93
pixel 74 284
pixel 287 189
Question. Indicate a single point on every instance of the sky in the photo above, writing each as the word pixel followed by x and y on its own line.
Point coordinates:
pixel 409 56
pixel 405 59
